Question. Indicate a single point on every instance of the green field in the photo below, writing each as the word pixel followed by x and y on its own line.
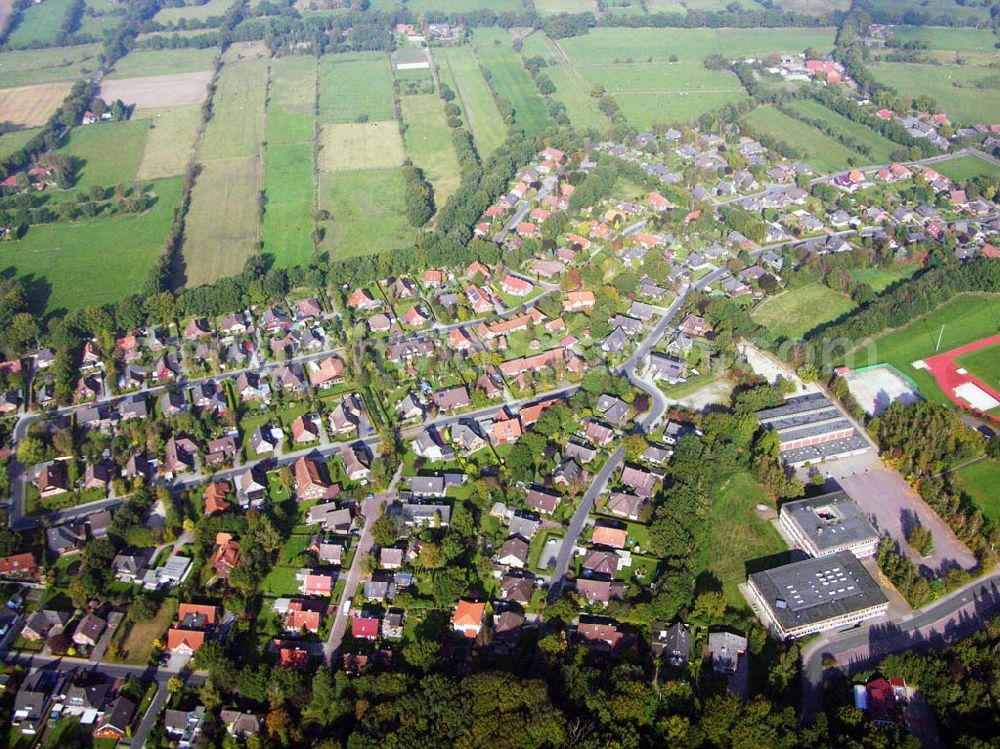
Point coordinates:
pixel 791 314
pixel 368 210
pixel 99 16
pixel 880 278
pixel 32 66
pixel 288 203
pixel 355 86
pixel 472 91
pixel 984 364
pixel 571 87
pixel 962 40
pixel 511 80
pixel 822 152
pixel 16 139
pixel 966 318
pixel 964 103
pixel 217 243
pixel 110 152
pixel 368 145
pixel 450 6
pixel 237 125
pixel 881 147
pixel 965 168
pixel 938 8
pixel 172 131
pixel 981 481
pixel 212 8
pixel 67 265
pixel 428 143
pixel 735 535
pixel 143 62
pixel 291 109
pixel 40 23
pixel 553 7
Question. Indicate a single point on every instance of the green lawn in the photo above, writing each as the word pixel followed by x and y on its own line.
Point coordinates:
pixel 428 143
pixel 450 6
pixel 984 364
pixel 791 314
pixel 353 86
pixel 473 93
pixel 170 142
pixel 965 168
pixel 966 318
pixel 40 23
pixel 368 210
pixel 822 152
pixel 67 265
pixel 981 481
pixel 511 80
pixel 963 40
pixel 33 66
pixel 110 152
pixel 16 139
pixel 212 8
pixel 951 86
pixel 881 147
pixel 143 62
pixel 880 278
pixel 288 196
pixel 735 535
pixel 571 87
pixel 237 125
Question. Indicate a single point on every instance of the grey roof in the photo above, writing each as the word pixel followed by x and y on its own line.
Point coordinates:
pixel 830 520
pixel 814 590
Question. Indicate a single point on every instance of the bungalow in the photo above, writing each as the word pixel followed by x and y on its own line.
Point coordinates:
pixel 513 553
pixel 667 368
pixel 600 434
pixel 379 323
pixel 640 480
pixel 116 723
pixel 576 301
pixel 89 630
pixel 414 318
pixel 326 373
pixel 542 501
pixel 603 635
pixel 234 324
pixel 608 534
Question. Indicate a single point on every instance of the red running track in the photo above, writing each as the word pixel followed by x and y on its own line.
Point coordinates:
pixel 946 373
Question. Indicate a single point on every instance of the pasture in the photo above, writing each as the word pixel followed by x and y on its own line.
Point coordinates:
pixel 353 87
pixel 980 481
pixel 100 15
pixel 966 318
pixel 66 265
pixel 793 313
pixel 217 243
pixel 881 147
pixel 15 139
pixel 965 168
pixel 473 93
pixel 32 106
pixel 511 80
pixel 945 38
pixel 368 145
pixel 881 278
pixel 428 143
pixel 237 125
pixel 554 7
pixel 822 152
pixel 450 6
pixel 173 90
pixel 142 63
pixel 983 364
pixel 170 142
pixel 571 88
pixel 368 210
pixel 39 23
pixel 110 152
pixel 288 203
pixel 291 110
pixel 953 87
pixel 213 8
pixel 33 66
pixel 934 9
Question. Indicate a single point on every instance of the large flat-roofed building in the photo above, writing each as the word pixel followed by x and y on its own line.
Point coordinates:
pixel 811 428
pixel 829 524
pixel 814 595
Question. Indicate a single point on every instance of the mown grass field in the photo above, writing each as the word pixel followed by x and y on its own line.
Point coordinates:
pixel 170 142
pixel 110 152
pixel 474 95
pixel 428 143
pixel 353 86
pixel 288 203
pixel 14 140
pixel 966 318
pixel 881 147
pixel 511 80
pixel 571 87
pixel 822 152
pixel 217 243
pixel 237 125
pixel 553 7
pixel 40 23
pixel 981 481
pixel 193 12
pixel 964 103
pixel 984 364
pixel 961 40
pixel 33 66
pixel 880 278
pixel 965 168
pixel 450 6
pixel 291 111
pixel 143 62
pixel 363 145
pixel 368 212
pixel 792 313
pixel 937 8
pixel 71 265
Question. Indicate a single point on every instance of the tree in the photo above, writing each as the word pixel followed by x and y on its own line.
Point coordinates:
pixel 385 532
pixel 709 606
pixel 31 450
pixel 175 684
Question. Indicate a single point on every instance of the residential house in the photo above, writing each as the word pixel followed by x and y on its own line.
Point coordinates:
pixel 89 630
pixel 117 721
pixel 309 482
pixel 467 618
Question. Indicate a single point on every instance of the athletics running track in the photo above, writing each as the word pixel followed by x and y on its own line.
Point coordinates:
pixel 946 373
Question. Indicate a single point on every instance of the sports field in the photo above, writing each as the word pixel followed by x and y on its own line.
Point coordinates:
pixel 981 481
pixel 965 168
pixel 355 86
pixel 793 313
pixel 572 89
pixel 237 125
pixel 428 143
pixel 212 8
pixel 881 147
pixel 40 23
pixel 32 106
pixel 951 86
pixel 364 145
pixel 288 202
pixel 368 211
pixel 146 62
pixel 819 150
pixel 33 66
pixel 966 318
pixel 170 141
pixel 110 152
pixel 511 80
pixel 67 265
pixel 474 96
pixel 983 364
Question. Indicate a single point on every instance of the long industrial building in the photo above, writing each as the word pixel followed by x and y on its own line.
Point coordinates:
pixel 811 429
pixel 829 524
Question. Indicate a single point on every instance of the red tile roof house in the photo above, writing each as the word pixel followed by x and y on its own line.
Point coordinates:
pixel 579 300
pixel 196 329
pixel 516 286
pixel 215 497
pixel 304 430
pixel 365 627
pixel 314 583
pixel 19 567
pixel 605 535
pixel 227 555
pixel 478 300
pixel 528 229
pixel 291 656
pixel 362 299
pixel 468 618
pixel 309 484
pixel 479 269
pixel 328 372
pixel 302 615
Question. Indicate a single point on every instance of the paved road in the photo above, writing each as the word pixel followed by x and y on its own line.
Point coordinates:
pixel 576 524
